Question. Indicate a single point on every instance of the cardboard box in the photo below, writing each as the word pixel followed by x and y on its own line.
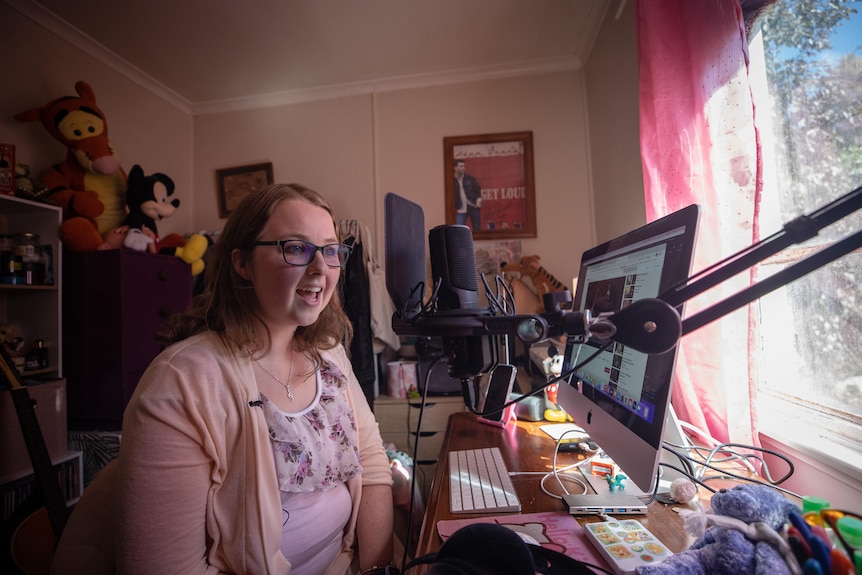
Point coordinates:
pixel 7 169
pixel 50 398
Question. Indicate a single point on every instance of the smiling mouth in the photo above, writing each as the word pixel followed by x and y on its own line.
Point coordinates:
pixel 309 292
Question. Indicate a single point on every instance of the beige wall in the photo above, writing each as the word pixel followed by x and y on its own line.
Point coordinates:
pixel 353 149
pixel 356 149
pixel 325 145
pixel 411 126
pixel 612 107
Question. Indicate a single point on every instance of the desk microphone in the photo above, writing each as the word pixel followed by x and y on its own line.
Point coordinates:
pixel 453 269
pixel 469 333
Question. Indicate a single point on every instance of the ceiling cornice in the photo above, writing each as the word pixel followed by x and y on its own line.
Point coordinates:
pixel 388 85
pixel 62 29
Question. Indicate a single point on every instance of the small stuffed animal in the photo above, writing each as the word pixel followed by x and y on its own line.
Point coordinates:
pixel 90 185
pixel 191 251
pixel 11 338
pixel 542 280
pixel 136 239
pixel 25 185
pixel 743 537
pixel 114 239
pixel 141 240
pixel 148 200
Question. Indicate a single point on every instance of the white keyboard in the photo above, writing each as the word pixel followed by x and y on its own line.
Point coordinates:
pixel 479 482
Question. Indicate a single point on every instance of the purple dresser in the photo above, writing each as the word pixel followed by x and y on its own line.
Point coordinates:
pixel 114 302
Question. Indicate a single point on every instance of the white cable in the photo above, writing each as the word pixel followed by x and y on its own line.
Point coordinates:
pixel 558 476
pixel 560 473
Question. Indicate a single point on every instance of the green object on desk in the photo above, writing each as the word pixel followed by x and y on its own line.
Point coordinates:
pixel 851 530
pixel 813 503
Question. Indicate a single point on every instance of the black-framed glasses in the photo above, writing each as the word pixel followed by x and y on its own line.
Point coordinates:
pixel 301 253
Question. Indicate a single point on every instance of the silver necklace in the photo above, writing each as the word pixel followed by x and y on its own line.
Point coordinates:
pixel 286 386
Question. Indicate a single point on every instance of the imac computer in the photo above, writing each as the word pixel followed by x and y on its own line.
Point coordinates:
pixel 622 397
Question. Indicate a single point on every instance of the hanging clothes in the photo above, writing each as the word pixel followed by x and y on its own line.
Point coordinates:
pixel 382 308
pixel 356 302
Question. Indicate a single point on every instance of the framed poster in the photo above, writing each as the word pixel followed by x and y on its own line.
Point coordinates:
pixel 489 184
pixel 234 184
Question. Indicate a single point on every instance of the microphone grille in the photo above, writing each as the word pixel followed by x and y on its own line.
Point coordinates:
pixel 453 260
pixel 461 259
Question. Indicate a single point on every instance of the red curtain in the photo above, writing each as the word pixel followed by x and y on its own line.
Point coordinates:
pixel 699 145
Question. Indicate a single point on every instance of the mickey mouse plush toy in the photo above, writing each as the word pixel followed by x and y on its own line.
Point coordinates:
pixel 148 200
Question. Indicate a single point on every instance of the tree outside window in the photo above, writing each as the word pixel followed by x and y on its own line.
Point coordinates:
pixel 809 106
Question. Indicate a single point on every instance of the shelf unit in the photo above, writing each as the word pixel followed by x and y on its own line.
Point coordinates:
pixel 16 489
pixel 398 419
pixel 35 310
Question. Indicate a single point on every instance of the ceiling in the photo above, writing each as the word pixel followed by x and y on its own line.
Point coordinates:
pixel 216 54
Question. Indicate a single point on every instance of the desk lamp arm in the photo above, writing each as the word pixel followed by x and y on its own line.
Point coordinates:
pixel 648 326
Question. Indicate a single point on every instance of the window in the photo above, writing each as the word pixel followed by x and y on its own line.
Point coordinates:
pixel 806 71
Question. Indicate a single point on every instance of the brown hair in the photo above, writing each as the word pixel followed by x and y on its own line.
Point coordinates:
pixel 227 305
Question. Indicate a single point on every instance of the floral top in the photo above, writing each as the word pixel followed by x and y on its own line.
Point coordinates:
pixel 315 449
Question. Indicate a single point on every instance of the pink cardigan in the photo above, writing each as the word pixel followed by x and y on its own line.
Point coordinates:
pixel 212 505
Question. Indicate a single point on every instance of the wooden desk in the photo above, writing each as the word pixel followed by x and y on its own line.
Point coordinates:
pixel 525 447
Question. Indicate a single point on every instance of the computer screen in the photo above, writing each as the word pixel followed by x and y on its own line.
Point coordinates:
pixel 622 397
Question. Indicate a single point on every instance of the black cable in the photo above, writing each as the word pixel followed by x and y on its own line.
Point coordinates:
pixel 725 474
pixel 684 460
pixel 503 300
pixel 791 468
pixel 409 534
pixel 689 462
pixel 408 305
pixel 687 475
pixel 654 493
pixel 547 384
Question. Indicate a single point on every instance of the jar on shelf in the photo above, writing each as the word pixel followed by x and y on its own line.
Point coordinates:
pixel 37 357
pixel 7 244
pixel 27 247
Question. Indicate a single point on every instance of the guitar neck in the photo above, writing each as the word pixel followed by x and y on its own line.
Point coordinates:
pixel 43 468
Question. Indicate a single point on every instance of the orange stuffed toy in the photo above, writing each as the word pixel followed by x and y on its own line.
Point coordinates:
pixel 90 185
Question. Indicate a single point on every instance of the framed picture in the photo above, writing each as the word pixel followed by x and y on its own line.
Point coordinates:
pixel 489 184
pixel 234 184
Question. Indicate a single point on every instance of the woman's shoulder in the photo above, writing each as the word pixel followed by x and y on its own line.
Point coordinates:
pixel 207 340
pixel 202 363
pixel 337 355
pixel 204 350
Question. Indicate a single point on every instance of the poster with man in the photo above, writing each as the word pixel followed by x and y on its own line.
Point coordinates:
pixel 490 185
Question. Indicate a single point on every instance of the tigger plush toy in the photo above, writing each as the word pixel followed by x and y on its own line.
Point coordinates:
pixel 542 280
pixel 90 185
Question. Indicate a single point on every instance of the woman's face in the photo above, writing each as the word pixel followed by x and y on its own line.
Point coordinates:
pixel 292 296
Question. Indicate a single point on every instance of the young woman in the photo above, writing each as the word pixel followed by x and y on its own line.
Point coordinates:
pixel 248 446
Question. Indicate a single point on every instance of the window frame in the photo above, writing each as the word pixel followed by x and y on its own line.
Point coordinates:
pixel 827 436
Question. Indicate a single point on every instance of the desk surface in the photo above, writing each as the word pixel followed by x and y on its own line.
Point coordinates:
pixel 525 447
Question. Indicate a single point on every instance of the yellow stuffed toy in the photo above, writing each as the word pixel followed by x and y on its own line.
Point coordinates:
pixel 90 185
pixel 192 252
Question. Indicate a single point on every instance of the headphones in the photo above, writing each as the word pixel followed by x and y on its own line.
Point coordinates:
pixel 492 549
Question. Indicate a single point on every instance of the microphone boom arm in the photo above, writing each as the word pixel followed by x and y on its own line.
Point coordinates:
pixel 796 231
pixel 653 325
